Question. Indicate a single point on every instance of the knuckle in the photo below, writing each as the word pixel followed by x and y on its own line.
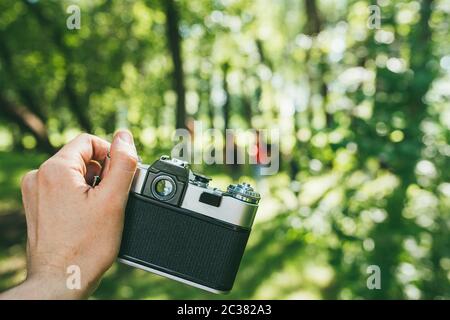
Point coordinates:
pixel 46 167
pixel 84 136
pixel 28 181
pixel 50 170
pixel 127 161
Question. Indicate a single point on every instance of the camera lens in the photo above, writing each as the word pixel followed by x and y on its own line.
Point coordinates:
pixel 163 188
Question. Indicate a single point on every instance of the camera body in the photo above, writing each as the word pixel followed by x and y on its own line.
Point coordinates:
pixel 179 227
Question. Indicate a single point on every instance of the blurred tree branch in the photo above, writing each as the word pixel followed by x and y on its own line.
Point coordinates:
pixel 76 103
pixel 27 121
pixel 25 94
pixel 31 118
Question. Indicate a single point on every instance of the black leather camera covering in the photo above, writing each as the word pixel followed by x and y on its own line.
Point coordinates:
pixel 182 243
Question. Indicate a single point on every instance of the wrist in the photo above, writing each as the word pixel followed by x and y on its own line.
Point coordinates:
pixel 52 287
pixel 56 279
pixel 45 287
pixel 42 288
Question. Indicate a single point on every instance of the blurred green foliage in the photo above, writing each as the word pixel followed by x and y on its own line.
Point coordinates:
pixel 364 116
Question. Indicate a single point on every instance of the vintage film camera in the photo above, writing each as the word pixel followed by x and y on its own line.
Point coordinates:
pixel 179 227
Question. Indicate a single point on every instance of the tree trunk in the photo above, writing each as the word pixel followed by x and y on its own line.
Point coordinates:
pixel 314 24
pixel 174 43
pixel 226 105
pixel 312 28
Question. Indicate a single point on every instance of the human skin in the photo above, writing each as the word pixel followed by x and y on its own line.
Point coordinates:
pixel 71 223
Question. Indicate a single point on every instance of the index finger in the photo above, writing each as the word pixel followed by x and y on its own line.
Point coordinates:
pixel 84 148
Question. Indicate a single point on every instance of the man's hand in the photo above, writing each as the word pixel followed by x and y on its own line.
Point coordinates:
pixel 71 223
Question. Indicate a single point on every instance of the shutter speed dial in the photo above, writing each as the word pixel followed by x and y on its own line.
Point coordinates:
pixel 244 192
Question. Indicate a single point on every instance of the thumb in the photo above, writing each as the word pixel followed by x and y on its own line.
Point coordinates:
pixel 123 162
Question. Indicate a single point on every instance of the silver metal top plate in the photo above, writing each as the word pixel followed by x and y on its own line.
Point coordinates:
pixel 231 210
